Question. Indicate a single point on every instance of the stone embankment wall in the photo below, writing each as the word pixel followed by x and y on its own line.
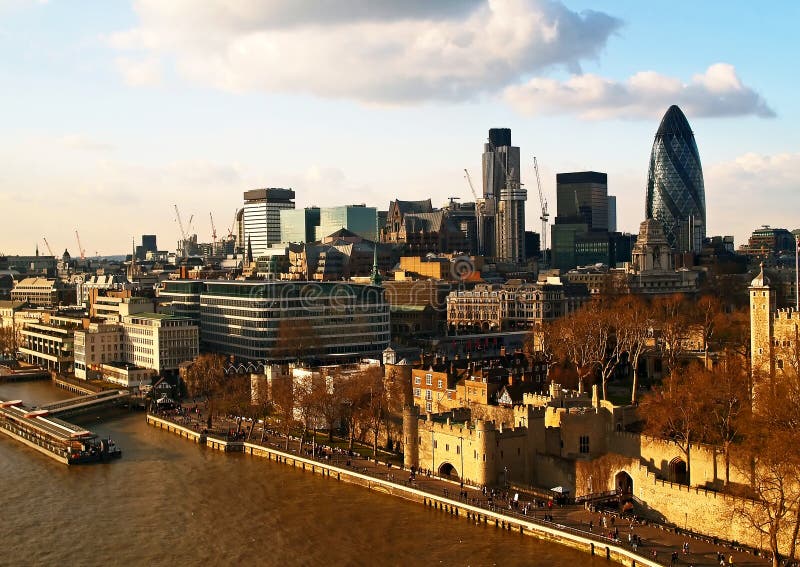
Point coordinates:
pixel 454 508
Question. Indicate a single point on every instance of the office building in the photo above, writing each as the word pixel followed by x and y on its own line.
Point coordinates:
pixel 359 219
pixel 261 218
pixel 675 191
pixel 288 320
pixel 299 225
pixel 582 232
pixel 159 341
pixel 502 209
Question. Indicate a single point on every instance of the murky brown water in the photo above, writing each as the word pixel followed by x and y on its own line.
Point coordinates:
pixel 169 502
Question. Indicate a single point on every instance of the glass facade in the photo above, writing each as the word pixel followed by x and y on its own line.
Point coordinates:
pixel 287 320
pixel 675 191
pixel 355 218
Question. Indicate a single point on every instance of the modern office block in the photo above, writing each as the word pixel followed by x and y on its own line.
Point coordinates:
pixel 675 190
pixel 261 217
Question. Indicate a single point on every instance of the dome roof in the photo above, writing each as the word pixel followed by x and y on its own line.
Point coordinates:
pixel 760 280
pixel 674 122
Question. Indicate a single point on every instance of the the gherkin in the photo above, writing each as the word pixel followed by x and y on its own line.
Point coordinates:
pixel 675 193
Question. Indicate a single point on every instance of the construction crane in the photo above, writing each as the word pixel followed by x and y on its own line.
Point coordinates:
pixel 80 246
pixel 183 232
pixel 48 247
pixel 189 226
pixel 471 187
pixel 213 234
pixel 545 215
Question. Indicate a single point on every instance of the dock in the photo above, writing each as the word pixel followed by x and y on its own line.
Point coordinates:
pixel 58 439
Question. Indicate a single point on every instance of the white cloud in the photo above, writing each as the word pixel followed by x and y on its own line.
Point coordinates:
pixel 83 142
pixel 716 92
pixel 752 190
pixel 142 72
pixel 373 51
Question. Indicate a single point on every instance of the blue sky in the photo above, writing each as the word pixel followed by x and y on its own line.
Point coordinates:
pixel 115 111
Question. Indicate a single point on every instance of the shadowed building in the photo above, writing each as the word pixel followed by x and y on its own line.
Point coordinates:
pixel 675 192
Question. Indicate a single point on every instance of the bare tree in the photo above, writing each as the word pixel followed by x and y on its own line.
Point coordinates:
pixel 283 403
pixel 634 335
pixel 205 378
pixel 676 410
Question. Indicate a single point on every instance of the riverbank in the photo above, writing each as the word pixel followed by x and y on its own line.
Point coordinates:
pixel 418 491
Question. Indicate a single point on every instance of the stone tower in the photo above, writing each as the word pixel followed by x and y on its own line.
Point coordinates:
pixel 410 436
pixel 762 310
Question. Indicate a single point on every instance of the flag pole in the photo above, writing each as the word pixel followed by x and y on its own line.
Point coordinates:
pixel 796 272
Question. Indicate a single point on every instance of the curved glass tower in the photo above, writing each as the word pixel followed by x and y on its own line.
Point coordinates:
pixel 675 193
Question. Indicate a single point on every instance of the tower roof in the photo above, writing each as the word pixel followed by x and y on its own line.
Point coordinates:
pixel 674 122
pixel 760 280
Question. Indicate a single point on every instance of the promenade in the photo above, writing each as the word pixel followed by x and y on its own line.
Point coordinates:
pixel 662 545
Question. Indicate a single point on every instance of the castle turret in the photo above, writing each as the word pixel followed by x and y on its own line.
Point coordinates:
pixel 410 436
pixel 762 309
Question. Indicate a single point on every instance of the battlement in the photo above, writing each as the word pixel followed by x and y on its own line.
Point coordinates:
pixel 788 314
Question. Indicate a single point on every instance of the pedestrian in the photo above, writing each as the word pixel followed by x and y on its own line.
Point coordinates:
pixel 730 560
pixel 591 526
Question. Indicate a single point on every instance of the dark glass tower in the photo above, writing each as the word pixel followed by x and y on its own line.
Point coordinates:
pixel 675 193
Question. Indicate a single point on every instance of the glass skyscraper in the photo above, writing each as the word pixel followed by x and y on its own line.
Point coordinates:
pixel 675 192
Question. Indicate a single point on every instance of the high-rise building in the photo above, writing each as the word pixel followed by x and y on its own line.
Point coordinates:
pixel 299 225
pixel 675 192
pixel 580 233
pixel 359 219
pixel 262 218
pixel 612 213
pixel 502 224
pixel 584 195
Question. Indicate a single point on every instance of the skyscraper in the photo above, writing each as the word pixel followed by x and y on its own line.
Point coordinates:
pixel 503 223
pixel 262 217
pixel 675 192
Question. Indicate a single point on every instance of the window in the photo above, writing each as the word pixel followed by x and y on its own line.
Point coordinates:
pixel 417 392
pixel 584 444
pixel 780 364
pixel 417 380
pixel 428 379
pixel 439 384
pixel 428 395
pixel 435 444
pixel 447 447
pixel 428 406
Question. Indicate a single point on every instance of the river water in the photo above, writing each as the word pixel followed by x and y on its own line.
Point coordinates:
pixel 170 502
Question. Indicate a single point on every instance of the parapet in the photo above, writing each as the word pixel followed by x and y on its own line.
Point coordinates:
pixel 788 314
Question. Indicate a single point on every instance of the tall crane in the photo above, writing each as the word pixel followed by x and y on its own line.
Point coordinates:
pixel 183 232
pixel 213 234
pixel 545 215
pixel 48 247
pixel 80 246
pixel 471 186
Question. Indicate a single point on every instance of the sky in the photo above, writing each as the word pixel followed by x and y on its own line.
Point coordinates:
pixel 113 112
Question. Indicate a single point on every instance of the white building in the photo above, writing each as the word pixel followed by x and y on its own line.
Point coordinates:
pixel 159 341
pixel 99 344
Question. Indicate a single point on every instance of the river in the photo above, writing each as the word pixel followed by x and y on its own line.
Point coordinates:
pixel 169 502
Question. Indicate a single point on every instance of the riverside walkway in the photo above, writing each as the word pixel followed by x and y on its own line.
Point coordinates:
pixel 655 544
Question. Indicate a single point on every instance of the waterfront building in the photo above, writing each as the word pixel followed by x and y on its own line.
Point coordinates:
pixel 159 341
pixel 285 320
pixel 675 190
pixel 503 217
pixel 513 305
pixel 261 219
pixel 51 342
pixel 97 344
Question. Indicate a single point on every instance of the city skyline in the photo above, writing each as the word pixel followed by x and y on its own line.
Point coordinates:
pixel 113 118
